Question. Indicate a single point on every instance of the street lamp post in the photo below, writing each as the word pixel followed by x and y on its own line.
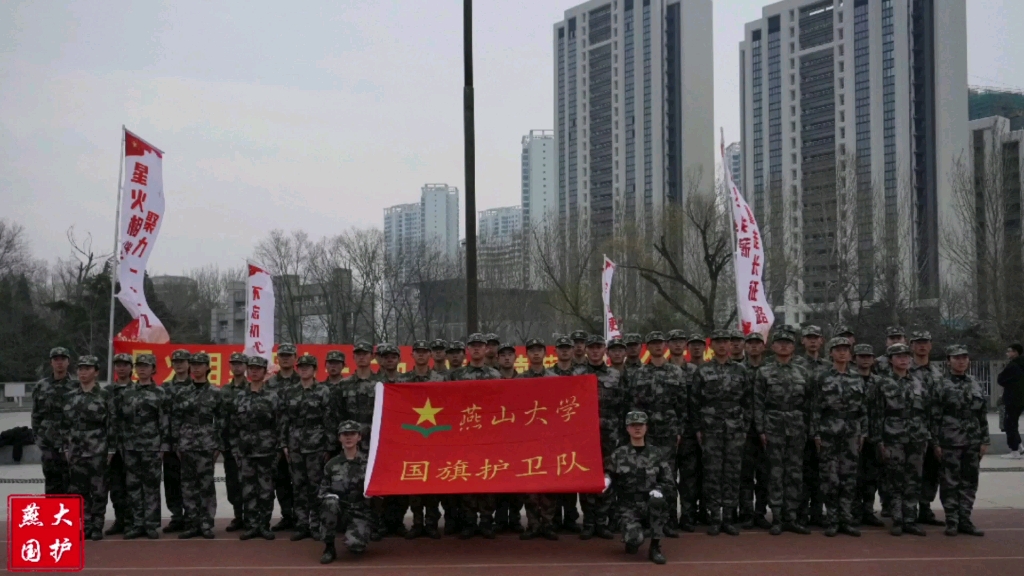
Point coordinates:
pixel 470 134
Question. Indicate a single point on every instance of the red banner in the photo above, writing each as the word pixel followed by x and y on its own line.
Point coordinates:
pixel 485 437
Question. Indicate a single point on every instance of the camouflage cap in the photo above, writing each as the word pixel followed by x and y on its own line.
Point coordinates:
pixel 595 340
pixel 616 343
pixel 286 349
pixel 895 331
pixel 89 361
pixel 238 357
pixel 122 357
pixel 145 359
pixel 257 362
pixel 180 354
pixel 782 335
pixel 811 330
pixel 492 337
pixel 199 358
pixel 863 350
pixel 349 426
pixel 59 351
pixel 476 338
pixel 506 346
pixel 563 341
pixel 335 356
pixel 696 338
pixel 636 417
pixel 456 346
pixel 535 342
pixel 654 336
pixel 842 330
pixel 362 346
pixel 897 349
pixel 755 336
pixel 956 350
pixel 306 360
pixel 838 341
pixel 735 334
pixel 386 348
pixel 721 334
pixel 579 336
pixel 421 345
pixel 633 338
pixel 438 344
pixel 920 336
pixel 676 334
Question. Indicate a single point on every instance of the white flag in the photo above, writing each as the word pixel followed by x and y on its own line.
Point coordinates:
pixel 611 327
pixel 259 313
pixel 142 213
pixel 748 260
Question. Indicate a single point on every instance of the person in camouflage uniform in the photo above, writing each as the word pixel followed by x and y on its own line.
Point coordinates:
pixel 115 469
pixel 309 440
pixel 813 363
pixel 755 469
pixel 782 403
pixel 960 432
pixel 579 347
pixel 901 428
pixel 931 376
pixel 491 353
pixel 477 512
pixel 456 355
pixel 737 346
pixel 617 357
pixel 87 433
pixel 723 407
pixel 388 357
pixel 893 335
pixel 437 350
pixel 342 503
pixel 258 426
pixel 172 463
pixel 389 509
pixel 232 473
pixel 508 507
pixel 870 468
pixel 656 389
pixel 839 425
pixel 566 509
pixel 677 348
pixel 47 413
pixel 540 508
pixel 691 468
pixel 197 434
pixel 611 405
pixel 285 378
pixel 634 348
pixel 142 430
pixel 426 513
pixel 640 474
pixel 335 363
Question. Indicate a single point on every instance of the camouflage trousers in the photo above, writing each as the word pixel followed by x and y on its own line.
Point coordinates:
pixel 688 457
pixel 643 512
pixel 172 486
pixel 118 490
pixel 931 471
pixel 142 479
pixel 902 477
pixel 282 477
pixel 425 506
pixel 597 508
pixel 785 455
pixel 233 484
pixel 478 505
pixel 670 492
pixel 307 470
pixel 88 478
pixel 837 470
pixel 452 504
pixel 566 509
pixel 811 497
pixel 508 510
pixel 540 511
pixel 55 471
pixel 722 458
pixel 960 468
pixel 754 472
pixel 258 490
pixel 869 474
pixel 198 494
pixel 357 527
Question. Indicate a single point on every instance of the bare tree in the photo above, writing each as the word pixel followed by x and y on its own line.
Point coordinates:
pixel 287 256
pixel 567 273
pixel 14 250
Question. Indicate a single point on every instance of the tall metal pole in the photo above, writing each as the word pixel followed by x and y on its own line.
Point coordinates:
pixel 470 133
pixel 113 267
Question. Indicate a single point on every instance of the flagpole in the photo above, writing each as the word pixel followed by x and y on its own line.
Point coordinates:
pixel 732 227
pixel 113 267
pixel 605 306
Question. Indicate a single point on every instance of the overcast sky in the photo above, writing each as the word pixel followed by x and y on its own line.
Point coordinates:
pixel 301 114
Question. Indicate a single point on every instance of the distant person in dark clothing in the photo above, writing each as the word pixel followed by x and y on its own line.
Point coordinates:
pixel 1012 381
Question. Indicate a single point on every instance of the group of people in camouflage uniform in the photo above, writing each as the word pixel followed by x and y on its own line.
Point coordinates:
pixel 810 437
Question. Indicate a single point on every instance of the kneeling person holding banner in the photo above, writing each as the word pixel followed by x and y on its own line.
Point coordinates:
pixel 342 503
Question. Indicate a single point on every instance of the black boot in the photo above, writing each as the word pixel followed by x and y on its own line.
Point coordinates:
pixel 431 531
pixel 301 533
pixel 235 525
pixel 249 534
pixel 913 529
pixel 871 520
pixel 116 528
pixel 654 553
pixel 415 532
pixel 286 523
pixel 926 516
pixel 967 527
pixel 190 533
pixel 174 526
pixel 329 552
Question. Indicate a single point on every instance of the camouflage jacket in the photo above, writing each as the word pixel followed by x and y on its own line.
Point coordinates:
pixel 312 424
pixel 142 419
pixel 782 400
pixel 344 478
pixel 115 390
pixel 840 406
pixel 278 383
pixel 960 412
pixel 901 411
pixel 442 370
pixel 258 423
pixel 197 418
pixel 611 402
pixel 87 425
pixel 556 371
pixel 723 395
pixel 658 391
pixel 882 366
pixel 353 399
pixel 431 376
pixel 530 374
pixel 634 474
pixel 231 390
pixel 812 365
pixel 470 372
pixel 48 410
pixel 930 375
pixel 381 376
pixel 687 401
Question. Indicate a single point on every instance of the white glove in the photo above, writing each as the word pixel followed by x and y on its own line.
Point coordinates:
pixel 607 482
pixel 655 494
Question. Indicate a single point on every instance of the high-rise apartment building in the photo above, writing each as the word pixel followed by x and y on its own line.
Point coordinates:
pixel 634 109
pixel 433 222
pixel 500 246
pixel 403 229
pixel 734 160
pixel 852 109
pixel 540 194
